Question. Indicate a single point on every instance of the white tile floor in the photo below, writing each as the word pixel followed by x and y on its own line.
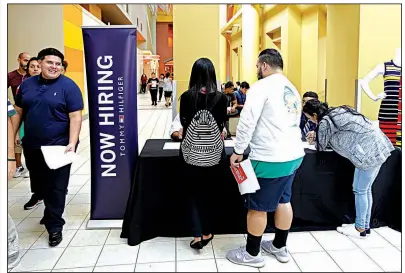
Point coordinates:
pixel 103 250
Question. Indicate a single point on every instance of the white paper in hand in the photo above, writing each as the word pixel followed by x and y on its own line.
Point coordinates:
pixel 246 177
pixel 56 158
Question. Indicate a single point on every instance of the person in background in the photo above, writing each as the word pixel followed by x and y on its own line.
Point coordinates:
pixel 269 125
pixel 168 88
pixel 232 104
pixel 144 81
pixel 64 67
pixel 14 79
pixel 306 125
pixel 355 137
pixel 202 102
pixel 176 130
pixel 33 69
pixel 161 84
pixel 13 246
pixel 237 86
pixel 51 106
pixel 153 83
pixel 241 95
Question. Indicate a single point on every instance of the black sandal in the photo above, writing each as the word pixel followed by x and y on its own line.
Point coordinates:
pixel 196 245
pixel 206 242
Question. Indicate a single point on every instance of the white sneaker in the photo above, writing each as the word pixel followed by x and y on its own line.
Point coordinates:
pixel 20 171
pixel 368 230
pixel 27 174
pixel 351 231
pixel 282 254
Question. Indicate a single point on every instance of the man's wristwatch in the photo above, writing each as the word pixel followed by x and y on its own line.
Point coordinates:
pixel 11 159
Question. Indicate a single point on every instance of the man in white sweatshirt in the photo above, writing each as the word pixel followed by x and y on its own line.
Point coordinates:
pixel 269 124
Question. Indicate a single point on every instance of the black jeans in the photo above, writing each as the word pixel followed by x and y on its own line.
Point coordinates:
pixel 160 93
pixel 153 95
pixel 143 88
pixel 52 185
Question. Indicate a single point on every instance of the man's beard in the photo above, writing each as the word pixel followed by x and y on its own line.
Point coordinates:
pixel 23 66
pixel 259 74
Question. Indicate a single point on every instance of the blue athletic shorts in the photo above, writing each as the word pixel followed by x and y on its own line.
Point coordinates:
pixel 273 191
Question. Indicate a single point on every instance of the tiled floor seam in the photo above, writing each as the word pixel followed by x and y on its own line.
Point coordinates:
pixel 326 252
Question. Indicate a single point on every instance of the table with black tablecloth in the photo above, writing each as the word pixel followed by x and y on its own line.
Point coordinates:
pixel 322 196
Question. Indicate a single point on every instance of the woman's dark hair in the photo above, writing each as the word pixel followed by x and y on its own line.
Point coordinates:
pixel 321 109
pixel 28 65
pixel 167 74
pixel 202 76
pixel 238 83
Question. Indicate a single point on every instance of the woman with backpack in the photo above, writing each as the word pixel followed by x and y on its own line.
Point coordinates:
pixel 203 112
pixel 356 138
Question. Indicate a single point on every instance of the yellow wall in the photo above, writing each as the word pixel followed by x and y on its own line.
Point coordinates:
pixel 250 44
pixel 380 35
pixel 309 52
pixel 221 74
pixel 292 60
pixel 342 51
pixel 313 51
pixel 190 44
pixel 322 27
pixel 72 22
pixel 277 17
pixel 288 18
pixel 236 42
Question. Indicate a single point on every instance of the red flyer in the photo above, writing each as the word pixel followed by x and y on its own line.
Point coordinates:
pixel 239 174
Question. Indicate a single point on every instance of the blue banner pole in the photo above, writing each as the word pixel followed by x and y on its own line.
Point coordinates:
pixel 110 57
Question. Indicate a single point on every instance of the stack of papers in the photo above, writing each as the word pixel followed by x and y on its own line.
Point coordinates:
pixel 171 146
pixel 55 156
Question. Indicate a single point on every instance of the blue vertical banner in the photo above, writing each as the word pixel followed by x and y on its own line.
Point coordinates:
pixel 110 57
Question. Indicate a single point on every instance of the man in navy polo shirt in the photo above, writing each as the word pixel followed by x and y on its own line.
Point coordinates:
pixel 51 106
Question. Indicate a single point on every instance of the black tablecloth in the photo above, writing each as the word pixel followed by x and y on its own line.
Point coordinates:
pixel 322 197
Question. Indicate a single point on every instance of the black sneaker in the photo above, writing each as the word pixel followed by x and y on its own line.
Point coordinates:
pixel 33 203
pixel 55 238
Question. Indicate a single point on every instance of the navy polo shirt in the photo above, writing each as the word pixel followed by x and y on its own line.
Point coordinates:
pixel 46 106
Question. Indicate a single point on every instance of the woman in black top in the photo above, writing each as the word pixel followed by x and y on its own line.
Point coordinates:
pixel 202 94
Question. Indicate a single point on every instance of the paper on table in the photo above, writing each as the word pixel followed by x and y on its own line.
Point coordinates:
pixel 246 177
pixel 229 143
pixel 313 147
pixel 171 146
pixel 55 156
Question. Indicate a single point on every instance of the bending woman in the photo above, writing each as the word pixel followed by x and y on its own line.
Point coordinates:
pixel 354 137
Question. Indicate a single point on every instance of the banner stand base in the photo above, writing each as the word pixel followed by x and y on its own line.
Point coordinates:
pixel 104 224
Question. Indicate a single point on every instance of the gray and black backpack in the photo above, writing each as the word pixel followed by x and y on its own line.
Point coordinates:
pixel 202 145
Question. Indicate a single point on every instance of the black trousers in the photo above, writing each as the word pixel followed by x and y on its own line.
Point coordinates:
pixel 160 93
pixel 201 181
pixel 51 185
pixel 153 95
pixel 143 88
